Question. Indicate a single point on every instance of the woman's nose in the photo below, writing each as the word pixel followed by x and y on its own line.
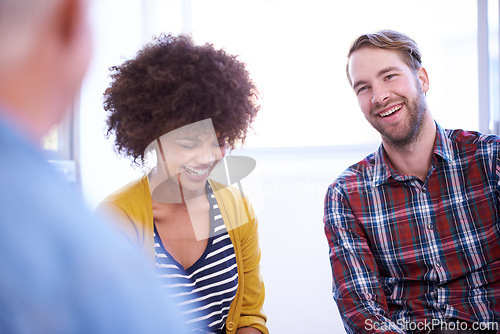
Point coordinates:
pixel 208 154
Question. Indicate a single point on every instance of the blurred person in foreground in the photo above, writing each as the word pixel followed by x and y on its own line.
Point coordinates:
pixel 61 270
pixel 176 107
pixel 413 228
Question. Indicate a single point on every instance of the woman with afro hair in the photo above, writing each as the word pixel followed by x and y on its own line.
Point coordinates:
pixel 174 109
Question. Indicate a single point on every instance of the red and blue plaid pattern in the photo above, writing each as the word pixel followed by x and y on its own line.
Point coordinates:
pixel 404 251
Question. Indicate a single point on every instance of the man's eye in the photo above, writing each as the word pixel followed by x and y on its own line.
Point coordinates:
pixel 360 90
pixel 390 76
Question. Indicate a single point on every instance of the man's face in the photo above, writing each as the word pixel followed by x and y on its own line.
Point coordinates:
pixel 390 94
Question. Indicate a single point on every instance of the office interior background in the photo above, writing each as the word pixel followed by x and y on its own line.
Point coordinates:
pixel 310 127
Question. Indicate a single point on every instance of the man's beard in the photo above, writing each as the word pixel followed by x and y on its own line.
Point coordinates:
pixel 412 127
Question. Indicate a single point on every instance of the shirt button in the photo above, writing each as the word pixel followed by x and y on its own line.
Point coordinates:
pixel 438 264
pixel 430 226
pixel 230 326
pixel 424 189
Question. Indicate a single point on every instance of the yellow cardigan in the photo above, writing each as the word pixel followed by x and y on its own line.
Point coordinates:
pixel 133 208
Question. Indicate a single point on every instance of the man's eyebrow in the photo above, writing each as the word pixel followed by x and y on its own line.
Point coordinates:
pixel 388 69
pixel 382 72
pixel 358 83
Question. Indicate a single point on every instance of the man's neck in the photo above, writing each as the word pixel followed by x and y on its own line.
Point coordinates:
pixel 414 159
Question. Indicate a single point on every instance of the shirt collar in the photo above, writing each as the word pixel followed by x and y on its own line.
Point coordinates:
pixel 383 169
pixel 444 145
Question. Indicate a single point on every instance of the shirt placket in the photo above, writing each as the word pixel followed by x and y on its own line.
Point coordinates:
pixel 431 247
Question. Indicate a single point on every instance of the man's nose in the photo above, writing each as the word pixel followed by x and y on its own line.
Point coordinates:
pixel 379 94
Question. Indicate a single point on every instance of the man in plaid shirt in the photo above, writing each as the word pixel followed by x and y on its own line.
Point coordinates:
pixel 413 228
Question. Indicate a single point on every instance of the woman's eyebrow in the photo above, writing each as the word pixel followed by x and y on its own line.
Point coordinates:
pixel 188 138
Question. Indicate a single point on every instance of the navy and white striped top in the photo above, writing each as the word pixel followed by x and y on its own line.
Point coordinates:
pixel 203 292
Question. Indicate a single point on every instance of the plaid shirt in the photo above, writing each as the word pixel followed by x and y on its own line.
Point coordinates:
pixel 404 252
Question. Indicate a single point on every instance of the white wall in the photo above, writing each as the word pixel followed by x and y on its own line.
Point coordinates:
pixel 118 34
pixel 287 189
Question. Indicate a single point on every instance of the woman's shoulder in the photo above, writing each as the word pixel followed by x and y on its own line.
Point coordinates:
pixel 227 193
pixel 234 206
pixel 131 197
pixel 130 191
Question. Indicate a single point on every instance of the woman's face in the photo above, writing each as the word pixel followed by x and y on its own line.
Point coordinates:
pixel 190 154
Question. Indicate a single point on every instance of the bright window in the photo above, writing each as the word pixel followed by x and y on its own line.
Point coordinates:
pixel 296 52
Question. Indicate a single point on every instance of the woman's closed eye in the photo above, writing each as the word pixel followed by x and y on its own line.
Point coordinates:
pixel 187 144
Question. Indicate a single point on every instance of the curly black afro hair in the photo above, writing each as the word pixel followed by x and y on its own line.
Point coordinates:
pixel 171 83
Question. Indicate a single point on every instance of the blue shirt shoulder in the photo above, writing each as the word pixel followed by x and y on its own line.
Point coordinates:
pixel 64 270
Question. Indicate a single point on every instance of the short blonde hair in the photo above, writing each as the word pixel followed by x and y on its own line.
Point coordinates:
pixel 389 39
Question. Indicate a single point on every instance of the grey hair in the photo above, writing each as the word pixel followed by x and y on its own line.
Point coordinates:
pixel 19 21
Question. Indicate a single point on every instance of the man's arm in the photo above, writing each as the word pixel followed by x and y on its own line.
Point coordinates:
pixel 356 289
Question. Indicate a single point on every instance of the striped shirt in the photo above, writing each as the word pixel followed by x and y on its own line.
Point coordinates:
pixel 203 292
pixel 404 251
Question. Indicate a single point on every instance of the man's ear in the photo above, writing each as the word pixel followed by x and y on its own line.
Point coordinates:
pixel 423 78
pixel 68 19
